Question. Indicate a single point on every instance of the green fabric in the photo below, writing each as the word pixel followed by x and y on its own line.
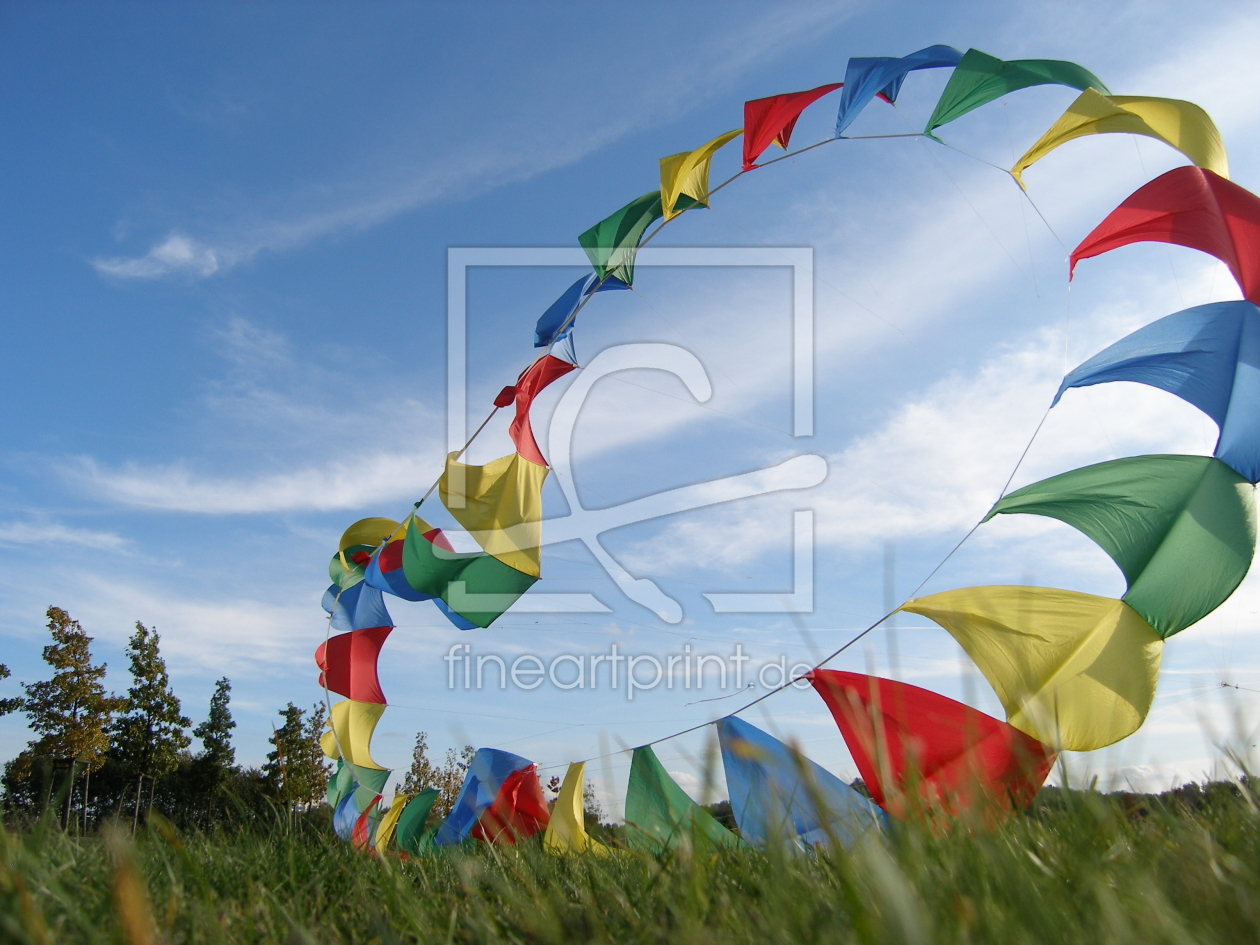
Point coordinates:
pixel 474 585
pixel 612 243
pixel 1182 529
pixel 342 780
pixel 660 815
pixel 346 578
pixel 365 782
pixel 980 78
pixel 410 835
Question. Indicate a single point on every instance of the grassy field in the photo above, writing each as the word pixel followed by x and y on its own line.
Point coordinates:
pixel 1078 868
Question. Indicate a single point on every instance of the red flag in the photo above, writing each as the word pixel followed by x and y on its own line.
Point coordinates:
pixel 528 386
pixel 1192 207
pixel 770 120
pixel 361 836
pixel 960 759
pixel 348 661
pixel 519 810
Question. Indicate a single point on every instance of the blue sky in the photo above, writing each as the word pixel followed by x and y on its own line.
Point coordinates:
pixel 225 264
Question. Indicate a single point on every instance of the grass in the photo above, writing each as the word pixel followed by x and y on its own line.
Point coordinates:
pixel 1080 867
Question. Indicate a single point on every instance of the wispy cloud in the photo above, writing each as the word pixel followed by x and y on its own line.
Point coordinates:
pixel 176 255
pixel 49 533
pixel 371 478
pixel 547 128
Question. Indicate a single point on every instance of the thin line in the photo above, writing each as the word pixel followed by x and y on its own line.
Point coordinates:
pixel 719 698
pixel 859 636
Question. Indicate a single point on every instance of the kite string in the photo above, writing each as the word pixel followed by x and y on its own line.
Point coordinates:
pixel 572 317
pixel 786 683
pixel 568 322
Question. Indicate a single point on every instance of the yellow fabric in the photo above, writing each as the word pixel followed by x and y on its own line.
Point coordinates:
pixel 1183 125
pixel 351 727
pixel 566 832
pixel 366 531
pixel 500 504
pixel 385 830
pixel 688 173
pixel 1074 671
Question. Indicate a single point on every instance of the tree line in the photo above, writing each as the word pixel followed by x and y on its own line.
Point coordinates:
pixel 98 755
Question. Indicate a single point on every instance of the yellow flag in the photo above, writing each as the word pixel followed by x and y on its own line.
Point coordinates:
pixel 385 830
pixel 500 504
pixel 350 727
pixel 366 531
pixel 566 831
pixel 688 173
pixel 1074 671
pixel 1182 125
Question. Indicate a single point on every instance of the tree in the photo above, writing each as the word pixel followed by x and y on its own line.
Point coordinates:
pixel 8 705
pixel 216 731
pixel 297 770
pixel 447 779
pixel 70 712
pixel 147 740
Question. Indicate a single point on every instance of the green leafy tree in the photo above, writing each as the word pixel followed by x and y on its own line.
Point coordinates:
pixel 8 705
pixel 216 731
pixel 297 770
pixel 70 712
pixel 448 778
pixel 149 737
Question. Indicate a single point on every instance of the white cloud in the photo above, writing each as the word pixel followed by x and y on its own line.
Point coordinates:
pixel 236 636
pixel 47 533
pixel 546 128
pixel 370 478
pixel 176 255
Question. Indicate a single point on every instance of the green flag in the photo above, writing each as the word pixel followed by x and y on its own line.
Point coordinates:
pixel 980 78
pixel 410 835
pixel 660 815
pixel 1182 529
pixel 476 586
pixel 613 242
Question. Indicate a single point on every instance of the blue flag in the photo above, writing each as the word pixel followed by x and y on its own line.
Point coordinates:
pixel 778 792
pixel 548 329
pixel 489 768
pixel 864 78
pixel 1208 356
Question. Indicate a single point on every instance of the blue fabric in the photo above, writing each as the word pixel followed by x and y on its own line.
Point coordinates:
pixel 459 622
pixel 345 817
pixel 395 582
pixel 485 777
pixel 777 792
pixel 864 78
pixel 391 582
pixel 1208 356
pixel 358 608
pixel 548 328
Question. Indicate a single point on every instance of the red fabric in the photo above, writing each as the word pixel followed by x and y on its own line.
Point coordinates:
pixel 348 661
pixel 391 555
pixel 770 120
pixel 1190 207
pixel 519 810
pixel 506 396
pixel 961 759
pixel 530 384
pixel 361 836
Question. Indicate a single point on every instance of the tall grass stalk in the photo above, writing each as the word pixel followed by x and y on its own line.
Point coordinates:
pixel 1081 867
